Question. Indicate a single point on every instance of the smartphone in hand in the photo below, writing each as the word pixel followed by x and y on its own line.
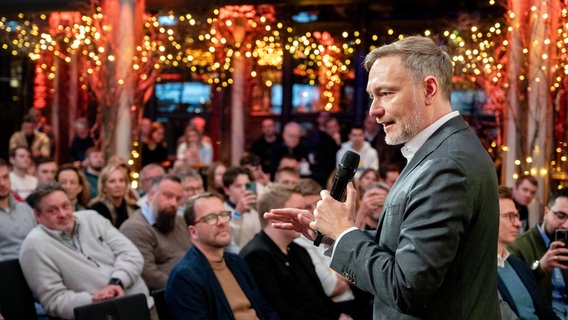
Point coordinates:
pixel 562 235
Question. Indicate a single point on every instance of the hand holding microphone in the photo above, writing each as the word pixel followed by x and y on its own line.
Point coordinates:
pixel 346 169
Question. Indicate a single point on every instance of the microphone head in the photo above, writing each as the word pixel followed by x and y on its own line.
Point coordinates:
pixel 348 164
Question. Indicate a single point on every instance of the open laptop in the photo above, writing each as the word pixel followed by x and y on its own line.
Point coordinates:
pixel 132 307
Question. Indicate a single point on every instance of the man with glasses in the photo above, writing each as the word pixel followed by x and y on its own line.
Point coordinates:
pixel 518 290
pixel 158 232
pixel 209 283
pixel 547 258
pixel 76 258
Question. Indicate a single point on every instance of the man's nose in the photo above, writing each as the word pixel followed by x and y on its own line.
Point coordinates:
pixel 376 110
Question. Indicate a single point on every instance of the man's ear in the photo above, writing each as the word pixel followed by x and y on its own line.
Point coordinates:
pixel 151 194
pixel 431 89
pixel 192 233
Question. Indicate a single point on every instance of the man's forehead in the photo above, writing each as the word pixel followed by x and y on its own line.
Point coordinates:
pixel 208 205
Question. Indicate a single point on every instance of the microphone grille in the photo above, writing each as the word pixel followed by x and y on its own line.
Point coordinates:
pixel 350 160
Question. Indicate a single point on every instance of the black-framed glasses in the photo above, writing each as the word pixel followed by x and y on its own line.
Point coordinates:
pixel 213 218
pixel 513 216
pixel 561 216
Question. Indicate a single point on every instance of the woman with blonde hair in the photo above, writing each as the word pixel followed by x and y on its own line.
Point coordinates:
pixel 75 185
pixel 112 200
pixel 193 150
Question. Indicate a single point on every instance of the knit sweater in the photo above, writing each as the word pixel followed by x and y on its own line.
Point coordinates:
pixel 160 251
pixel 65 274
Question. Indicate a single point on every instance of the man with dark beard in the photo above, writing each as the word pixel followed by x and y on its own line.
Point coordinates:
pixel 158 232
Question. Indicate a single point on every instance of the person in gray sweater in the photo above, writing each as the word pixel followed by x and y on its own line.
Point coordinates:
pixel 72 259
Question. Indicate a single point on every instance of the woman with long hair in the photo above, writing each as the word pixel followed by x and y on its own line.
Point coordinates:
pixel 112 200
pixel 75 185
pixel 215 178
pixel 193 150
pixel 154 147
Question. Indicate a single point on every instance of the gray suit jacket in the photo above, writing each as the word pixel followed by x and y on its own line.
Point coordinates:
pixel 435 250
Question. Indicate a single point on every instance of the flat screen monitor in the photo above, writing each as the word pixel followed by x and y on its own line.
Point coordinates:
pixel 305 97
pixel 468 101
pixel 171 94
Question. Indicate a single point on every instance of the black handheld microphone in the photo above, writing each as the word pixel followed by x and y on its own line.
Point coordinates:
pixel 346 169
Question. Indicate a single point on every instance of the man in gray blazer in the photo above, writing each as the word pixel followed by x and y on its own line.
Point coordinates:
pixel 433 255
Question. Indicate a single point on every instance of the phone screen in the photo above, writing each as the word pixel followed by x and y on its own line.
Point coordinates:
pixel 251 186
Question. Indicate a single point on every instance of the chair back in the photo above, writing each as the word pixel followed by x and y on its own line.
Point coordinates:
pixel 132 307
pixel 16 298
pixel 161 306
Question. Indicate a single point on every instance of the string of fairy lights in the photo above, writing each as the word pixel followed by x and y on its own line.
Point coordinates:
pixel 207 47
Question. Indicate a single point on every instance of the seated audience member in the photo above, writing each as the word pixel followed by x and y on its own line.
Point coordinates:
pixel 81 142
pixel 329 142
pixel 144 128
pixel 95 161
pixel 334 285
pixel 148 173
pixel 112 201
pixel 357 143
pixel 154 146
pixel 548 258
pixel 517 285
pixel 37 143
pixel 209 283
pixel 16 218
pixel 388 174
pixel 371 206
pixel 264 145
pixel 75 185
pixel 241 202
pixel 158 232
pixel 288 161
pixel 524 191
pixel 286 175
pixel 215 174
pixel 291 146
pixel 366 179
pixel 252 162
pixel 72 259
pixel 199 123
pixel 284 270
pixel 193 149
pixel 22 183
pixel 45 169
pixel 192 184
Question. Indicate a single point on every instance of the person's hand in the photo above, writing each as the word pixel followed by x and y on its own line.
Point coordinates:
pixel 245 202
pixel 333 217
pixel 344 316
pixel 555 257
pixel 292 219
pixel 111 291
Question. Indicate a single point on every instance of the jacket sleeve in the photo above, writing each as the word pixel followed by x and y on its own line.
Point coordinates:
pixel 187 299
pixel 43 275
pixel 128 261
pixel 430 216
pixel 261 265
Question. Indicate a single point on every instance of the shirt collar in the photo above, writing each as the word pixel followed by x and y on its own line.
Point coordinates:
pixel 148 215
pixel 501 260
pixel 411 146
pixel 543 234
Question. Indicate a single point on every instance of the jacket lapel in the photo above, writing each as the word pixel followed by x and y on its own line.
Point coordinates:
pixel 432 143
